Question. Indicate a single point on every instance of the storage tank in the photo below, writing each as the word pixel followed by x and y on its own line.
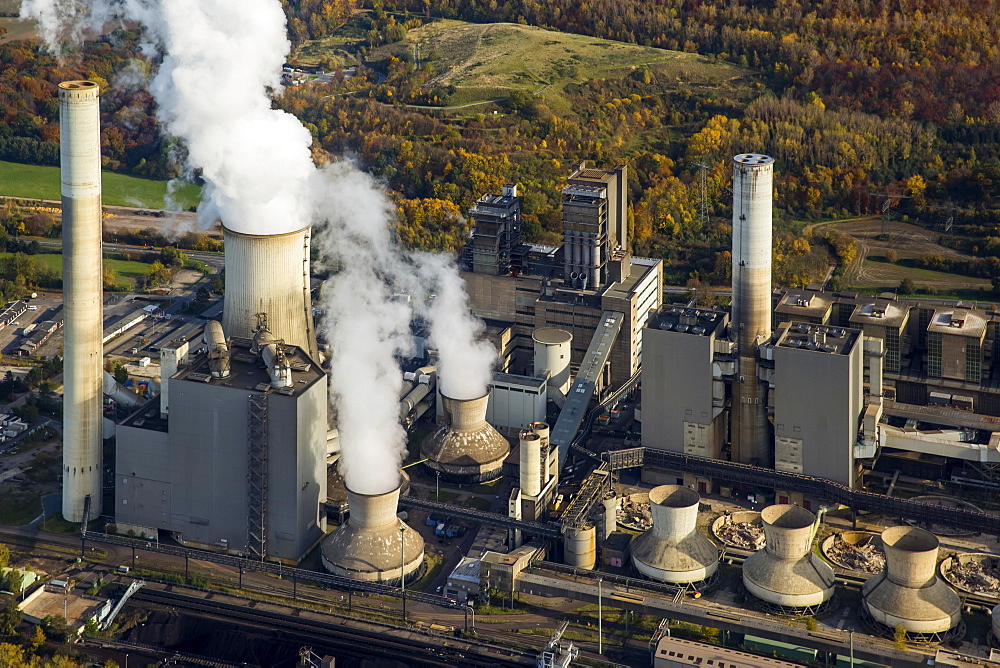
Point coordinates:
pixel 909 592
pixel 553 349
pixel 580 547
pixel 269 274
pixel 751 310
pixel 551 462
pixel 368 546
pixel 786 574
pixel 673 550
pixel 465 447
pixel 83 366
pixel 531 464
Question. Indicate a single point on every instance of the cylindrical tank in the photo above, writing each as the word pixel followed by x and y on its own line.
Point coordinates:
pixel 83 364
pixel 218 349
pixel 531 464
pixel 465 447
pixel 786 572
pixel 673 550
pixel 549 462
pixel 269 274
pixel 374 545
pixel 553 349
pixel 607 518
pixel 580 547
pixel 751 305
pixel 909 592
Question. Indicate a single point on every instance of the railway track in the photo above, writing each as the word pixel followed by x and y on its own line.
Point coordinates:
pixel 342 638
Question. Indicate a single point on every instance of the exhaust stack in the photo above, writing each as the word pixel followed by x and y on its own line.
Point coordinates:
pixel 751 311
pixel 80 160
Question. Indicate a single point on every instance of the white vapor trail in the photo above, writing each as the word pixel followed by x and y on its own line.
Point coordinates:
pixel 221 66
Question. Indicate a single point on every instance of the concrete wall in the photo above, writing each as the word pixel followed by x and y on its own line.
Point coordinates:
pixel 817 407
pixel 512 408
pixel 677 390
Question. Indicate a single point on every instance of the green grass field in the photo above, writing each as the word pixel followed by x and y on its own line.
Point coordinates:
pixel 126 269
pixel 483 61
pixel 41 182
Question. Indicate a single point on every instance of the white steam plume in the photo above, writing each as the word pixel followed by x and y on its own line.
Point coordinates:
pixel 465 360
pixel 221 64
pixel 222 61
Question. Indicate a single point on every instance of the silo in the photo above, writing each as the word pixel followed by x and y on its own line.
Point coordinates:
pixel 374 545
pixel 465 447
pixel 786 574
pixel 751 309
pixel 909 592
pixel 80 159
pixel 673 550
pixel 550 461
pixel 269 274
pixel 531 464
pixel 580 547
pixel 553 349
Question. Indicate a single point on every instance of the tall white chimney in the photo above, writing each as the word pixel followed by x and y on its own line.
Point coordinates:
pixel 80 157
pixel 751 316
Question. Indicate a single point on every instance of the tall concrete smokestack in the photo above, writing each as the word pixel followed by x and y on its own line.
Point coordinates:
pixel 80 156
pixel 751 317
pixel 269 274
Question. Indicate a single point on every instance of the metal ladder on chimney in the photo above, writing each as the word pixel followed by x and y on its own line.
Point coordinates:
pixel 257 476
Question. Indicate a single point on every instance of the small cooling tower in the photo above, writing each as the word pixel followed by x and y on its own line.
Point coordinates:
pixel 786 574
pixel 909 592
pixel 368 546
pixel 465 448
pixel 673 550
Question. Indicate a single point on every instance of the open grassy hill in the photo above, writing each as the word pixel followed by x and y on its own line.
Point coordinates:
pixel 487 61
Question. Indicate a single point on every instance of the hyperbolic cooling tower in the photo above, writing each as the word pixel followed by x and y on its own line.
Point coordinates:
pixel 465 448
pixel 786 573
pixel 269 274
pixel 751 310
pixel 909 592
pixel 369 546
pixel 674 550
pixel 80 157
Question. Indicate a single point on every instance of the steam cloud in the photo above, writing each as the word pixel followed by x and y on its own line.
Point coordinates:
pixel 221 64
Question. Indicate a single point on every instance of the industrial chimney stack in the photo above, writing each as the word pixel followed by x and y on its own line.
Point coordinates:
pixel 80 157
pixel 751 310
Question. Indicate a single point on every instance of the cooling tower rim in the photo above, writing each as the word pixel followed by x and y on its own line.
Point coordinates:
pixel 910 539
pixel 77 85
pixel 787 516
pixel 394 490
pixel 674 496
pixel 446 397
pixel 228 230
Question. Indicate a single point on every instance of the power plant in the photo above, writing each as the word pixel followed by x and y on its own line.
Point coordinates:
pixel 787 575
pixel 673 550
pixel 83 364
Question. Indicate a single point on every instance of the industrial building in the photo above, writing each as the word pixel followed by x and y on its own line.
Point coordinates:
pixel 570 287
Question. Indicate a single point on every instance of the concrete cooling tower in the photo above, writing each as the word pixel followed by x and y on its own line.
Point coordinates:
pixel 269 274
pixel 368 546
pixel 673 550
pixel 465 448
pixel 909 592
pixel 786 575
pixel 80 157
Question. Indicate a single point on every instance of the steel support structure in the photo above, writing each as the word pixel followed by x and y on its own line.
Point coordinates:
pixel 257 444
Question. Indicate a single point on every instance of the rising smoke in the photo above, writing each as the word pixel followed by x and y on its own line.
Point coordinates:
pixel 221 63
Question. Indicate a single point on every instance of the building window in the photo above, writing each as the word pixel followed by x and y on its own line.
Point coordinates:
pixel 933 354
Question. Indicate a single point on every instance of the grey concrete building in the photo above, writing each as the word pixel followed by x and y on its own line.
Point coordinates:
pixel 682 397
pixel 955 339
pixel 818 399
pixel 234 462
pixel 595 225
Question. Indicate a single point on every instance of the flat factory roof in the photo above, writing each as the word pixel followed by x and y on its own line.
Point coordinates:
pixel 515 380
pixel 882 312
pixel 247 372
pixel 819 338
pixel 958 322
pixel 805 304
pixel 696 321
